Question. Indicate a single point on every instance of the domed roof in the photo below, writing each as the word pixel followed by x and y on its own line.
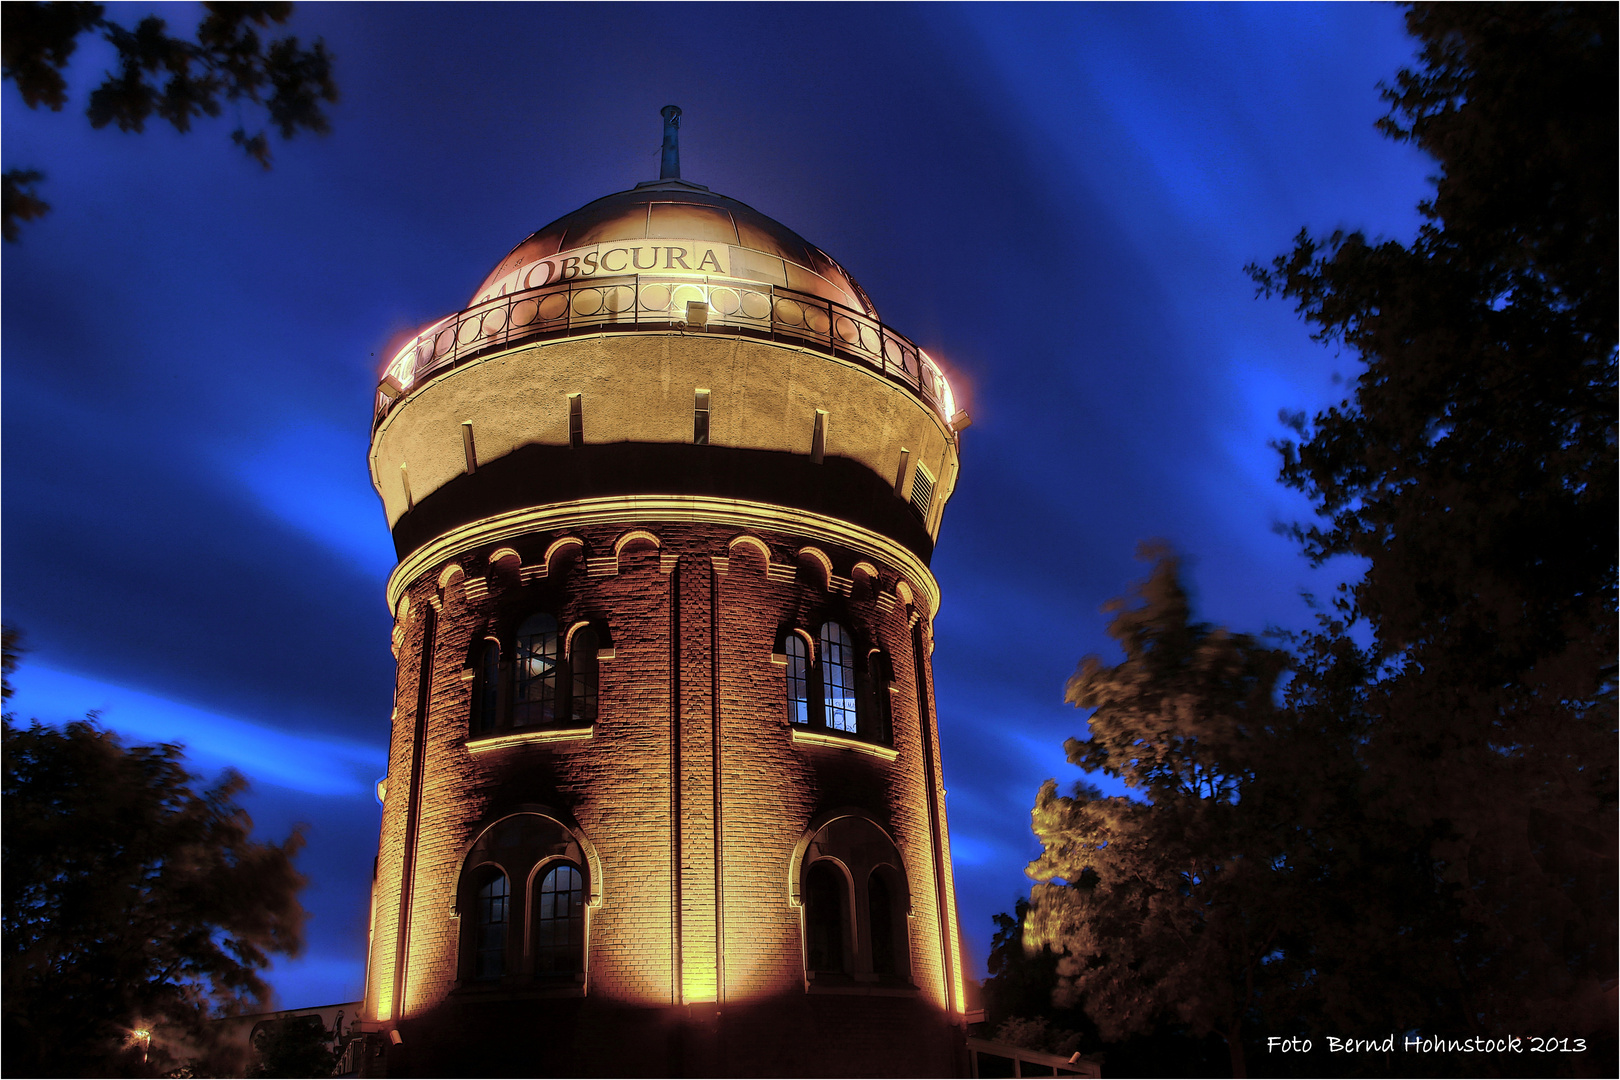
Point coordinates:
pixel 752 246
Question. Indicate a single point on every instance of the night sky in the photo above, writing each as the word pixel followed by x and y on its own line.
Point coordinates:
pixel 1057 202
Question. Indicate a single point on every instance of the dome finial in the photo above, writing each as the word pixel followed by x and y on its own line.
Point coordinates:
pixel 671 166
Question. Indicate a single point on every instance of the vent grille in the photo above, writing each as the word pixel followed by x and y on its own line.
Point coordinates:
pixel 922 492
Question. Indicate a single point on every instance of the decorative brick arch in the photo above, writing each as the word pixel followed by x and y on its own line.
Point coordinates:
pixel 628 538
pixel 819 558
pixel 556 547
pixel 747 540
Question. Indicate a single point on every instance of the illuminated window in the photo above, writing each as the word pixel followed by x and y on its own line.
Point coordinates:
pixel 824 918
pixel 583 661
pixel 830 693
pixel 559 923
pixel 486 689
pixel 837 668
pixel 489 950
pixel 798 680
pixel 535 691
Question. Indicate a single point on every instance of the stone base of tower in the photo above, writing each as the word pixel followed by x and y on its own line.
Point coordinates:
pixel 798 1035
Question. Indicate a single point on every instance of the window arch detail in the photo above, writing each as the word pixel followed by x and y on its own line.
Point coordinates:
pixel 487 688
pixel 558 926
pixel 850 884
pixel 798 679
pixel 526 889
pixel 837 668
pixel 490 922
pixel 828 688
pixel 534 692
pixel 541 678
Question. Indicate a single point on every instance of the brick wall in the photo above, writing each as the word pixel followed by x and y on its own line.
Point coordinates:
pixel 694 881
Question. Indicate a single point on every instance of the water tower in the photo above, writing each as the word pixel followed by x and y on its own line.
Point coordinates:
pixel 664 791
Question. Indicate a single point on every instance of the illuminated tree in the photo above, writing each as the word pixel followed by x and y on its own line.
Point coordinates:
pixel 135 908
pixel 1174 904
pixel 176 78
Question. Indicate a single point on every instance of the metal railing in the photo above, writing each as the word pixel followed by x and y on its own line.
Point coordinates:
pixel 629 303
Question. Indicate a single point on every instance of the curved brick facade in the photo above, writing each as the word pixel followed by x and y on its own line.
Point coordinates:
pixel 678 788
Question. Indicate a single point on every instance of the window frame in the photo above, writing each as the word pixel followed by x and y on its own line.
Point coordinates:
pixel 524 848
pixel 543 872
pixel 575 698
pixel 482 877
pixel 810 670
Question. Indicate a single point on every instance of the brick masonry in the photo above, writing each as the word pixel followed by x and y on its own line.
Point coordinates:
pixel 695 917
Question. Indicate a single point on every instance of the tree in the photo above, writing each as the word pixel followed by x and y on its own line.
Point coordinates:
pixel 1421 834
pixel 176 78
pixel 294 1046
pixel 134 907
pixel 1473 468
pixel 1173 904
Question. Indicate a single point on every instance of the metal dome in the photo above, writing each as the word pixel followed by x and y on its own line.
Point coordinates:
pixel 757 248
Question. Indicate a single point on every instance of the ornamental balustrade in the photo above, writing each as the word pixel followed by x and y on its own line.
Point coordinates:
pixel 648 302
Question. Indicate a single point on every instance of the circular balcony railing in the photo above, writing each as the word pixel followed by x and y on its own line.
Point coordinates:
pixel 644 302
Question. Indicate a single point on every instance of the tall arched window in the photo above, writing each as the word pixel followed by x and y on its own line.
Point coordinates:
pixel 486 694
pixel 535 690
pixel 880 923
pixel 559 922
pixel 855 902
pixel 798 680
pixel 582 660
pixel 824 918
pixel 489 947
pixel 837 667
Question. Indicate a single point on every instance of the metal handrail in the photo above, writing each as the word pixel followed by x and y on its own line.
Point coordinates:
pixel 627 303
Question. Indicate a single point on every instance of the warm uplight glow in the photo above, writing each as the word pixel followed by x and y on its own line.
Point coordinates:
pixel 539 735
pixel 141 1037
pixel 659 302
pixel 941 385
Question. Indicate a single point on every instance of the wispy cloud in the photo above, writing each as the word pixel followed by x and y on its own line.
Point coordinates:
pixel 213 741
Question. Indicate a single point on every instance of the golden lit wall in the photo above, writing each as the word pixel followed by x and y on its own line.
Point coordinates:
pixel 692 797
pixel 640 388
pixel 771 787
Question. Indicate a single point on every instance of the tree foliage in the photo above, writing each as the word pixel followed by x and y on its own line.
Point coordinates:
pixel 176 79
pixel 132 903
pixel 1473 468
pixel 1171 905
pixel 1420 834
pixel 294 1046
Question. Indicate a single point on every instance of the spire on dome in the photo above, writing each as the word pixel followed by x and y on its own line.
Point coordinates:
pixel 670 169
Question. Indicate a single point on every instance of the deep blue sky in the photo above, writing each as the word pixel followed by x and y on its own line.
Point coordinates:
pixel 1055 201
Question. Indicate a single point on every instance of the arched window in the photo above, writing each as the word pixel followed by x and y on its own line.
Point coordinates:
pixel 486 692
pixel 855 901
pixel 798 680
pixel 824 918
pixel 880 922
pixel 489 947
pixel 837 668
pixel 535 691
pixel 559 921
pixel 582 659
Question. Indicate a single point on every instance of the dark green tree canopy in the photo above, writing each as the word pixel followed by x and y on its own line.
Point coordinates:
pixel 131 902
pixel 177 79
pixel 1421 833
pixel 1474 464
